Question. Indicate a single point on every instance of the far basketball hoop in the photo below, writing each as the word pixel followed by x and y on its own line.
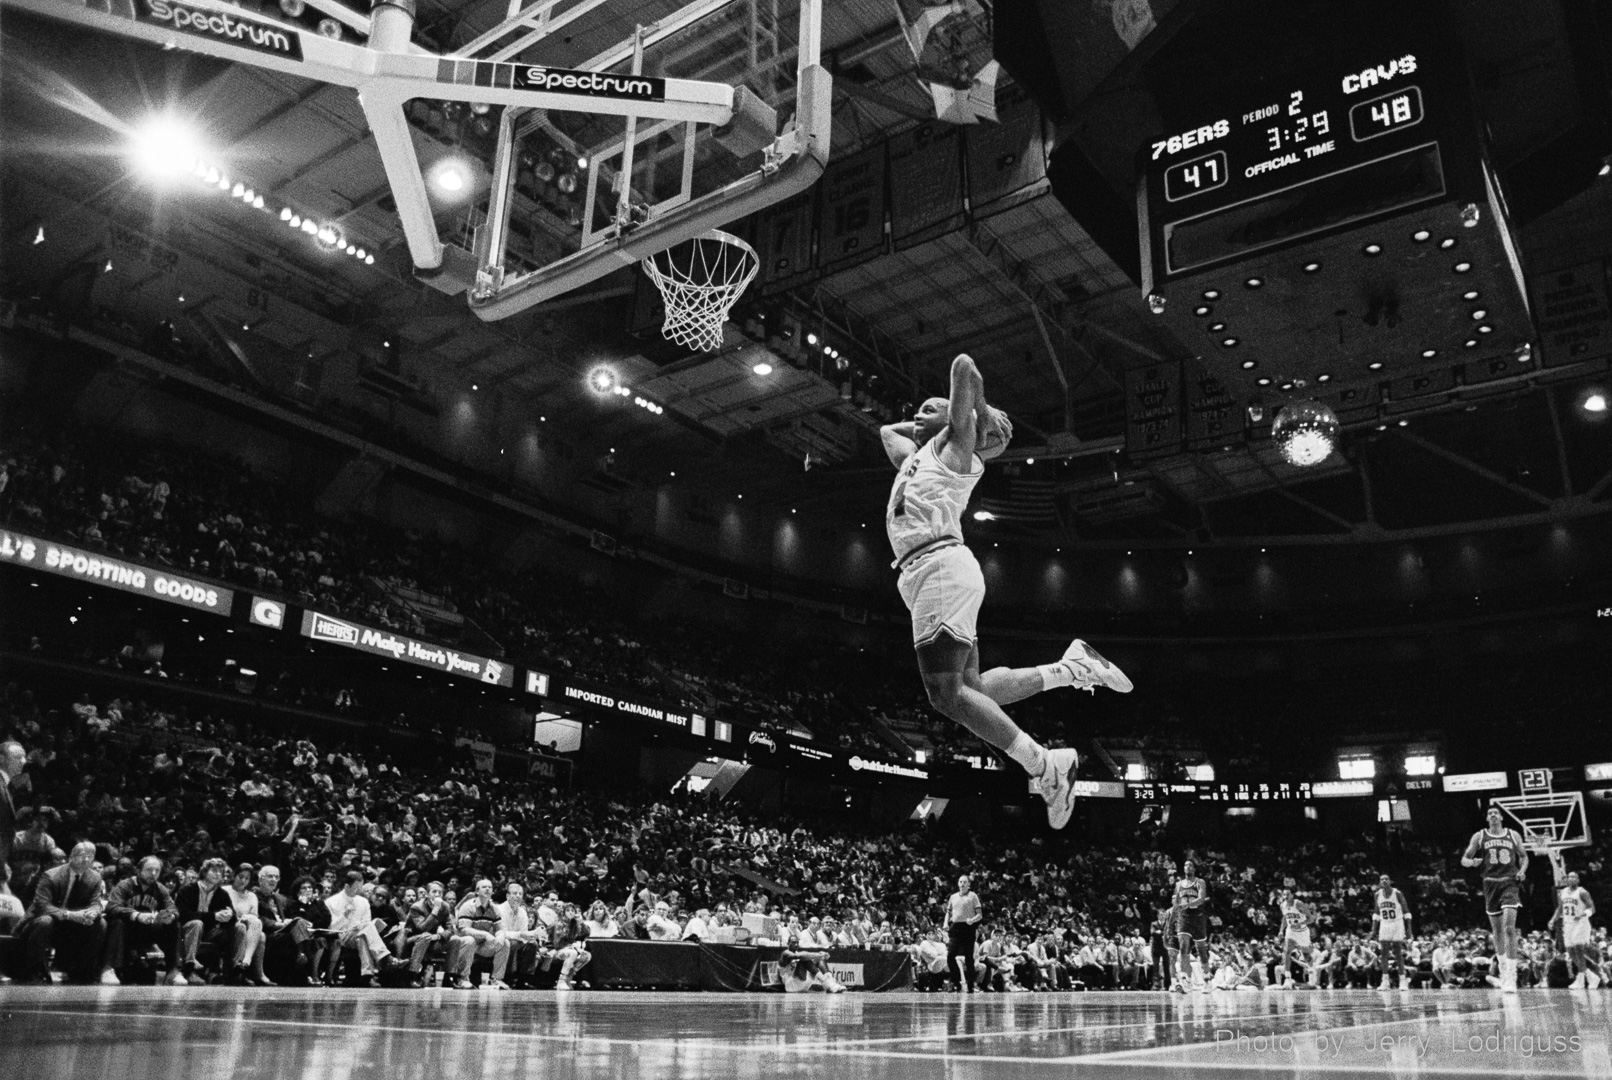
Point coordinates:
pixel 700 281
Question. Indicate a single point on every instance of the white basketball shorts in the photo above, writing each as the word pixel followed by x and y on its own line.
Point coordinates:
pixel 1299 939
pixel 1576 931
pixel 1391 930
pixel 943 590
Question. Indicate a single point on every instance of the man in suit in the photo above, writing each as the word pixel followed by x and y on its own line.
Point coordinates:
pixel 13 760
pixel 67 911
pixel 288 939
pixel 206 913
pixel 140 914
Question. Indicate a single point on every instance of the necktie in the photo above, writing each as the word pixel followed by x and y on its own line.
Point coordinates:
pixel 72 880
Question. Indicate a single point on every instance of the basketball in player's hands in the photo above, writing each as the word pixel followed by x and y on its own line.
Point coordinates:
pixel 994 436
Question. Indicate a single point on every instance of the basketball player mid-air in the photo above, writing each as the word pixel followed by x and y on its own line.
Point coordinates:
pixel 1504 860
pixel 938 462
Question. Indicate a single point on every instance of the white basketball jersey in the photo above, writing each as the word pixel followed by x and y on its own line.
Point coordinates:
pixel 927 501
pixel 1573 905
pixel 1390 917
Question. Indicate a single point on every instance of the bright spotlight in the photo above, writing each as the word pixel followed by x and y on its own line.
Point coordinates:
pixel 285 213
pixel 451 177
pixel 762 368
pixel 1594 402
pixel 602 380
pixel 164 149
pixel 984 515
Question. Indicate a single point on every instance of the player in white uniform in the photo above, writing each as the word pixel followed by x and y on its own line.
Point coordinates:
pixel 1573 910
pixel 1296 921
pixel 1390 925
pixel 937 467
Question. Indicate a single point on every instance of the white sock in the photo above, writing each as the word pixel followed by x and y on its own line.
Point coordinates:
pixel 1055 675
pixel 1029 753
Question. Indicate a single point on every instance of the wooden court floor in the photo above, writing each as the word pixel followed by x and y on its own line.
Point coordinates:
pixel 138 1033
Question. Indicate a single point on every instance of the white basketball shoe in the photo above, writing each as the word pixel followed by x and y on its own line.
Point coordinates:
pixel 1057 785
pixel 1091 670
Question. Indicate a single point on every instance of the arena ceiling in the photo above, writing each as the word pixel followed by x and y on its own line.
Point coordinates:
pixel 1051 318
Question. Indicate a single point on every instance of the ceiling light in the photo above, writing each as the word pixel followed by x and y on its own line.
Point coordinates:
pixel 1486 329
pixel 1323 377
pixel 1029 461
pixel 1263 381
pixel 165 149
pixel 1311 267
pixel 1254 282
pixel 1421 236
pixel 1229 343
pixel 1375 365
pixel 1404 423
pixel 369 260
pixel 475 386
pixel 1472 343
pixel 1428 354
pixel 1470 294
pixel 1447 243
pixel 602 380
pixel 309 226
pixel 39 235
pixel 1306 432
pixel 984 515
pixel 1462 267
pixel 1373 249
pixel 1211 294
pixel 285 213
pixel 1202 309
pixel 451 177
pixel 1249 365
pixel 762 368
pixel 257 202
pixel 1216 327
pixel 238 190
pixel 1594 402
pixel 1480 313
pixel 811 339
pixel 362 254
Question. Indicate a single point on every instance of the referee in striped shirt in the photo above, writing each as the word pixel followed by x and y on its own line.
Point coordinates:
pixel 962 923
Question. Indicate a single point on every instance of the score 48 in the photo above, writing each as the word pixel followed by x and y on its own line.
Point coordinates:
pixel 1301 127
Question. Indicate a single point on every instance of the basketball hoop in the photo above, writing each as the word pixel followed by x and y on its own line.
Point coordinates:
pixel 699 282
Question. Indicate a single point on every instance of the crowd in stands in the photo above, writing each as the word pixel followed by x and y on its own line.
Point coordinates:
pixel 224 520
pixel 254 855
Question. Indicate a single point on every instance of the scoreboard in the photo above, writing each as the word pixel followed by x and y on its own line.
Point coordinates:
pixel 1307 155
pixel 1183 791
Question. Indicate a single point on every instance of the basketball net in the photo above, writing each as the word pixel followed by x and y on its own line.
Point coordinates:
pixel 699 283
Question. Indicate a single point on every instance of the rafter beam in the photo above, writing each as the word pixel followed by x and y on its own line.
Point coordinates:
pixel 1286 492
pixel 1471 466
pixel 1553 406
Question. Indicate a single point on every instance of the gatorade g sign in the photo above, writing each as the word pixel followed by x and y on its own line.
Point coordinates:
pixel 590 83
pixel 226 27
pixel 266 612
pixel 121 574
pixel 320 627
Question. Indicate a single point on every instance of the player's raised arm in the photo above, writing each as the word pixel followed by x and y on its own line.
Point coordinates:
pixel 900 442
pixel 967 401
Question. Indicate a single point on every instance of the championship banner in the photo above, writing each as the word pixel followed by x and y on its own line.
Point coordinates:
pixel 122 574
pixel 1574 314
pixel 786 241
pixel 851 223
pixel 1153 409
pixel 1005 159
pixel 926 183
pixel 318 626
pixel 1214 417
